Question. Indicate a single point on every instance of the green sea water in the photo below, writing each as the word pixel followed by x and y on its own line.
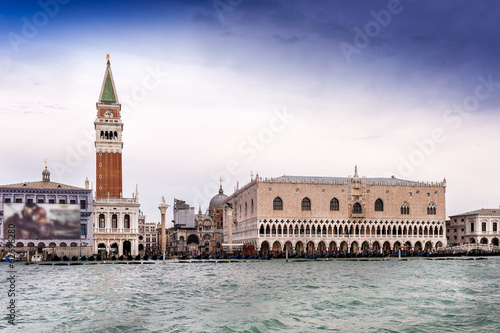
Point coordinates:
pixel 268 296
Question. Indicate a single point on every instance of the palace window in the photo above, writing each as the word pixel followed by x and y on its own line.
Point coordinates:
pixel 83 229
pixel 495 228
pixel 251 207
pixel 405 209
pixel 126 222
pixel 19 200
pixel 7 200
pixel 72 201
pixel 431 209
pixel 356 208
pixel 83 204
pixel 246 208
pixel 472 226
pixel 379 205
pixel 334 205
pixel 114 221
pixel 102 221
pixel 277 204
pixel 483 226
pixel 306 204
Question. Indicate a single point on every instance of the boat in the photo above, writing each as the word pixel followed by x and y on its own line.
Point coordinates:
pixel 9 257
pixel 36 258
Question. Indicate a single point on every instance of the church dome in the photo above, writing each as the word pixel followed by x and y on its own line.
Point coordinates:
pixel 217 202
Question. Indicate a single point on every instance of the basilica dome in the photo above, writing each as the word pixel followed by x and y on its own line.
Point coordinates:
pixel 217 202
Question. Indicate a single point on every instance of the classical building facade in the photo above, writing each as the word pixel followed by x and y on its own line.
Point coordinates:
pixel 476 227
pixel 343 214
pixel 148 238
pixel 116 219
pixel 37 195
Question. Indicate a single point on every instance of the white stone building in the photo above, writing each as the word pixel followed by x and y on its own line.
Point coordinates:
pixel 341 214
pixel 476 227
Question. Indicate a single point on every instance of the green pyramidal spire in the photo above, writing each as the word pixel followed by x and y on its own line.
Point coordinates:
pixel 108 90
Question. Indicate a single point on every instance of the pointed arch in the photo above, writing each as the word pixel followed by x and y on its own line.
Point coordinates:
pixel 306 204
pixel 334 205
pixel 405 208
pixel 431 209
pixel 277 203
pixel 356 208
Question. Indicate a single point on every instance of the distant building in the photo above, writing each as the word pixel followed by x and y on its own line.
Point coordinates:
pixel 201 232
pixel 148 236
pixel 476 227
pixel 320 214
pixel 48 200
pixel 116 224
pixel 455 231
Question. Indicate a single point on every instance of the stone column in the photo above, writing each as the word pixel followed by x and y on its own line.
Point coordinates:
pixel 229 223
pixel 163 209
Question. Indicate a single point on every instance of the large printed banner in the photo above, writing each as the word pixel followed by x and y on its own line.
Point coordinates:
pixel 42 221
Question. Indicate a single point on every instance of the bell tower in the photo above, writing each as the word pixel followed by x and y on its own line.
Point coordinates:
pixel 108 143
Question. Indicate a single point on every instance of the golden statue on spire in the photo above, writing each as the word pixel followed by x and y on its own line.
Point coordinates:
pixel 107 57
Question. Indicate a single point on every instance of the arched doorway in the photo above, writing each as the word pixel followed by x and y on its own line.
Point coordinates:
pixel 343 247
pixel 127 248
pixel 299 247
pixel 438 245
pixel 408 247
pixel 101 249
pixel 288 246
pixel 276 247
pixel 354 247
pixel 365 246
pixel 192 243
pixel 332 247
pixel 472 241
pixel 264 247
pixel 418 246
pixel 428 246
pixel 396 246
pixel 310 247
pixel 484 240
pixel 494 242
pixel 387 247
pixel 141 247
pixel 322 247
pixel 376 246
pixel 114 249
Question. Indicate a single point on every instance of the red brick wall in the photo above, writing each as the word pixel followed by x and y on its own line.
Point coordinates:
pixel 109 175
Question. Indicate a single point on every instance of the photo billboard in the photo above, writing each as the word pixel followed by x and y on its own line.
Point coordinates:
pixel 42 221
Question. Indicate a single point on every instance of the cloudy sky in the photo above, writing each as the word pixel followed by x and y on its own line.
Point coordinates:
pixel 224 88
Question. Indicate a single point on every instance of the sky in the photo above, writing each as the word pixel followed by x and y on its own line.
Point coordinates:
pixel 230 88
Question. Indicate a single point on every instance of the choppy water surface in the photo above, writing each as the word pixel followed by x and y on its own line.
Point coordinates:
pixel 347 296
